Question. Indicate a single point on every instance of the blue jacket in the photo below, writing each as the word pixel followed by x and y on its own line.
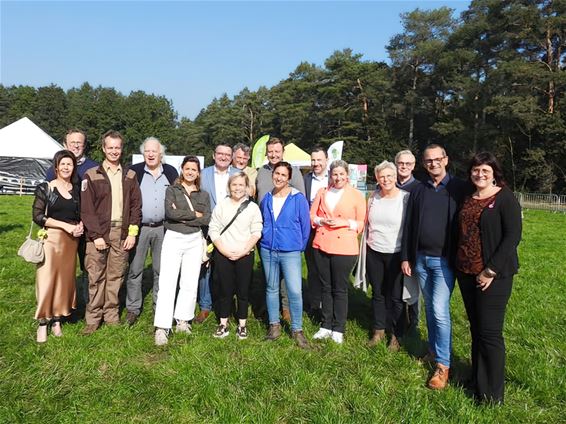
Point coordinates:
pixel 290 232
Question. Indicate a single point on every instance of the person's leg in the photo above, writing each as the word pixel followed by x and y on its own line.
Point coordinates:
pixel 135 273
pixel 442 277
pixel 341 269
pixel 291 267
pixel 491 305
pixel 468 288
pixel 188 283
pixel 421 271
pixel 323 265
pixel 115 273
pixel 95 265
pixel 204 293
pixel 394 293
pixel 243 274
pixel 81 282
pixel 270 260
pixel 314 294
pixel 171 256
pixel 156 247
pixel 224 272
pixel 375 271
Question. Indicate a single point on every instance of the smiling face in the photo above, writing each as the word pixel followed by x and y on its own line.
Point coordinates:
pixel 280 177
pixel 65 168
pixel 318 163
pixel 386 179
pixel 405 165
pixel 190 172
pixel 274 153
pixel 237 188
pixel 75 142
pixel 222 157
pixel 240 159
pixel 152 154
pixel 339 177
pixel 112 149
pixel 435 162
pixel 482 176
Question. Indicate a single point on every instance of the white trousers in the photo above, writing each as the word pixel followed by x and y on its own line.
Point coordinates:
pixel 179 252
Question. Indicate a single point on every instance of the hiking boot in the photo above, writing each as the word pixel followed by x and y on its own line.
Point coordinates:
pixel 377 336
pixel 323 333
pixel 300 339
pixel 202 316
pixel 439 379
pixel 394 345
pixel 274 332
pixel 221 331
pixel 161 337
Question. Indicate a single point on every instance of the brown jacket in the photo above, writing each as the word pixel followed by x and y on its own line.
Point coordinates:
pixel 96 203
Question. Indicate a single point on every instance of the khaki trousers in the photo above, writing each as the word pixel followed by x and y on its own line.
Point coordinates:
pixel 106 270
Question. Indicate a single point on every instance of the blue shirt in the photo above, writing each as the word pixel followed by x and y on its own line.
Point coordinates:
pixel 153 196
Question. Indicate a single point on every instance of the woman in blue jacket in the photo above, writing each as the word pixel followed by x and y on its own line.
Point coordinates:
pixel 286 230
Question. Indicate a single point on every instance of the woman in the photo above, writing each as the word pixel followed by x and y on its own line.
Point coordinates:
pixel 56 208
pixel 286 229
pixel 338 213
pixel 385 219
pixel 489 233
pixel 235 228
pixel 187 208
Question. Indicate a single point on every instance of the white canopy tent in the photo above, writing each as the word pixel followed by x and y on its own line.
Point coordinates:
pixel 26 152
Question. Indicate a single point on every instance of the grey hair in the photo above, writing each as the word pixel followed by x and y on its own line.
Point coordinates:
pixel 243 147
pixel 384 165
pixel 238 175
pixel 161 146
pixel 405 152
pixel 338 163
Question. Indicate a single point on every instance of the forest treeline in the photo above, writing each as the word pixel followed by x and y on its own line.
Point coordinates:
pixel 493 78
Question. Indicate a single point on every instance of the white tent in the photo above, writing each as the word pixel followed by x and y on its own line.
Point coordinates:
pixel 26 152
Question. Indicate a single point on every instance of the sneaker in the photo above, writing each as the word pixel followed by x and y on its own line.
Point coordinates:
pixel 221 331
pixel 242 333
pixel 161 336
pixel 439 379
pixel 337 337
pixel 300 339
pixel 323 333
pixel 183 327
pixel 274 332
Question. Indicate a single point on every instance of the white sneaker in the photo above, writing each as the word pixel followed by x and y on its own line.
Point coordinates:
pixel 183 327
pixel 323 333
pixel 337 337
pixel 160 337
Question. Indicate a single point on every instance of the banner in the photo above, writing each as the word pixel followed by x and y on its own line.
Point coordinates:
pixel 258 153
pixel 358 176
pixel 335 151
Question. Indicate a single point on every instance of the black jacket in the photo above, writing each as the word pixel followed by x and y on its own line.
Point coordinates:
pixel 170 172
pixel 45 197
pixel 457 190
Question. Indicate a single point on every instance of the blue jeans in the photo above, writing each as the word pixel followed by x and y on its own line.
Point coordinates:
pixel 204 293
pixel 436 279
pixel 290 264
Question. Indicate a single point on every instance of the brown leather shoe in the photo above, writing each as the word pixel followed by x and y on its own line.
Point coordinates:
pixel 300 339
pixel 202 316
pixel 274 332
pixel 439 379
pixel 394 345
pixel 131 318
pixel 286 315
pixel 89 329
pixel 378 336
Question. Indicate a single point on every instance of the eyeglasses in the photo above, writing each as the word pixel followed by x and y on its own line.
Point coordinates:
pixel 386 177
pixel 429 162
pixel 482 172
pixel 407 164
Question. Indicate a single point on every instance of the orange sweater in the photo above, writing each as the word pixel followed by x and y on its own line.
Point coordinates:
pixel 343 240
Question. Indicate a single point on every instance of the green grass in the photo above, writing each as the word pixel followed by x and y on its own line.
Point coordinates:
pixel 118 375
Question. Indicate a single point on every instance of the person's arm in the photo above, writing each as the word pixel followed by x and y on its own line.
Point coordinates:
pixel 316 220
pixel 176 209
pixel 89 214
pixel 406 266
pixel 297 180
pixel 135 210
pixel 304 218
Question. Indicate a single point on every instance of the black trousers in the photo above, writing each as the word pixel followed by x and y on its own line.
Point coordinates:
pixel 384 273
pixel 232 277
pixel 314 291
pixel 334 272
pixel 486 313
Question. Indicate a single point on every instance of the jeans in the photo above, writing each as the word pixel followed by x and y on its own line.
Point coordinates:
pixel 290 264
pixel 204 292
pixel 436 279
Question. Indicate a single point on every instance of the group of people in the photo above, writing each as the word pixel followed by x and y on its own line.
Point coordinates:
pixel 415 237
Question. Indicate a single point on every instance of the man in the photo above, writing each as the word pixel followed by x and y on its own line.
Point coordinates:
pixel 75 141
pixel 314 181
pixel 405 163
pixel 240 159
pixel 154 177
pixel 111 212
pixel 428 249
pixel 264 183
pixel 214 180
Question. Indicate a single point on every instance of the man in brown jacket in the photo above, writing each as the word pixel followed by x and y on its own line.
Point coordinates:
pixel 111 214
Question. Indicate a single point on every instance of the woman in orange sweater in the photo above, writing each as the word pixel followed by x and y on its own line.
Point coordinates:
pixel 338 214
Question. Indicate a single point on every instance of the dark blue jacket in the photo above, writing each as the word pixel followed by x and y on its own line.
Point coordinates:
pixel 291 231
pixel 170 172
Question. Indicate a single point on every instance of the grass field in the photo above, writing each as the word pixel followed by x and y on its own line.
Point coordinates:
pixel 119 376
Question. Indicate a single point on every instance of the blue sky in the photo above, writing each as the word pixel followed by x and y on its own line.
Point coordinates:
pixel 188 51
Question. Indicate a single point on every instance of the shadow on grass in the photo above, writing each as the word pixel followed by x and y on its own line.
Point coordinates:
pixel 5 228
